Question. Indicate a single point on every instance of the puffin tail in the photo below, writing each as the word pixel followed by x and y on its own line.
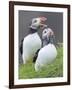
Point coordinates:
pixel 35 57
pixel 21 47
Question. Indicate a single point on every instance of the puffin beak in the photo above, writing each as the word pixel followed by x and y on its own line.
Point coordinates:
pixel 52 37
pixel 42 21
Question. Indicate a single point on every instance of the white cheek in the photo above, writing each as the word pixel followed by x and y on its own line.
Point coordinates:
pixel 38 22
pixel 45 35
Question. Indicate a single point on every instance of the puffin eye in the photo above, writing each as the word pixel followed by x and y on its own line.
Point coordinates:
pixel 35 21
pixel 45 32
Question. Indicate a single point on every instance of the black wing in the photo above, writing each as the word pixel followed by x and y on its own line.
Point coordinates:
pixel 21 47
pixel 36 55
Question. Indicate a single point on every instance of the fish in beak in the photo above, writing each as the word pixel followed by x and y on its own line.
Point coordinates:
pixel 42 22
pixel 38 22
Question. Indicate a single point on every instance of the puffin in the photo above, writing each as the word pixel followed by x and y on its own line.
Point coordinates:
pixel 32 42
pixel 47 54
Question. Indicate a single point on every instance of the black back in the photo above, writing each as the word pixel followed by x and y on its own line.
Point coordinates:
pixel 21 47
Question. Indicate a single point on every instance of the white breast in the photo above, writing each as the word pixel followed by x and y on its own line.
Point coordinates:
pixel 46 56
pixel 30 45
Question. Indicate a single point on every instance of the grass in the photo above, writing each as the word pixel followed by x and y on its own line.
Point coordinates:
pixel 52 70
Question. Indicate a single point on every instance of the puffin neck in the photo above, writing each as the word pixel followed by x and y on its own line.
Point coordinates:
pixel 32 31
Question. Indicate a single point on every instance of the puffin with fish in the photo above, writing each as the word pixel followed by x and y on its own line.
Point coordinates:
pixel 32 42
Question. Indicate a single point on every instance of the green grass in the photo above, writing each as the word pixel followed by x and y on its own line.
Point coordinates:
pixel 52 70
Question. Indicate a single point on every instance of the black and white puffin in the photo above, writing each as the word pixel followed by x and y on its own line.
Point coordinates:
pixel 32 42
pixel 48 53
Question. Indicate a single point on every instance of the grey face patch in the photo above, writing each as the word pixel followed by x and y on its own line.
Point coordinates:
pixel 47 37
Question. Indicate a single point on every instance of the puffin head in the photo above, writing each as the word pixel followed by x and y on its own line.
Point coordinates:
pixel 48 35
pixel 38 23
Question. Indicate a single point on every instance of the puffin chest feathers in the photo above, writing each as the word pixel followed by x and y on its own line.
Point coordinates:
pixel 47 55
pixel 30 45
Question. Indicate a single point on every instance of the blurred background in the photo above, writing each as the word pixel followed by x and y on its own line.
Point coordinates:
pixel 54 21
